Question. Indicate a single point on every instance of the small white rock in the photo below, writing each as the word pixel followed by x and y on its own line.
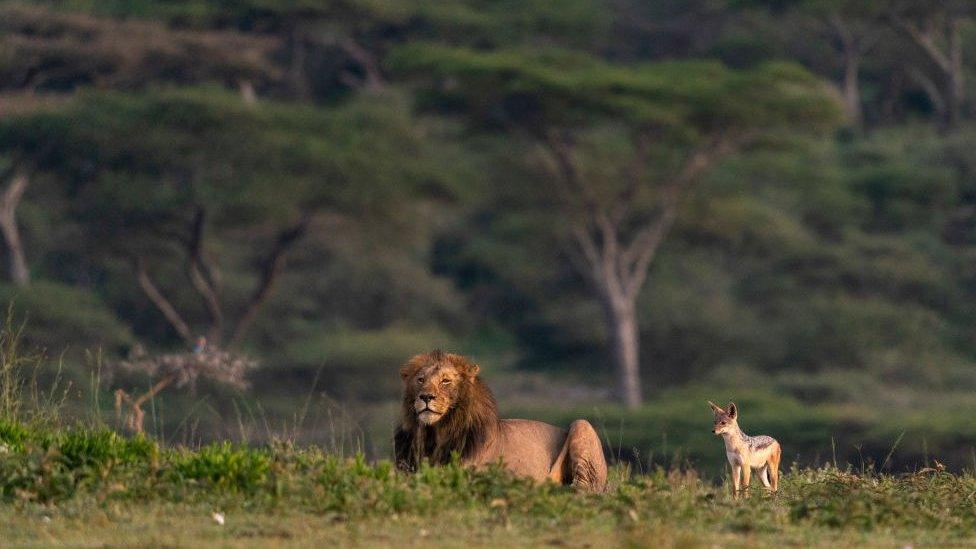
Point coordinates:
pixel 217 517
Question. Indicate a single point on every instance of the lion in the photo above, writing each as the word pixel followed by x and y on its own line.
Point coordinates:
pixel 447 408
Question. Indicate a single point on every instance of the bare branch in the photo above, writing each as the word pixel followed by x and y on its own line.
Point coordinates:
pixel 196 268
pixel 924 39
pixel 272 267
pixel 373 77
pixel 9 200
pixel 842 31
pixel 560 149
pixel 583 254
pixel 636 258
pixel 178 370
pixel 931 89
pixel 161 303
pixel 635 176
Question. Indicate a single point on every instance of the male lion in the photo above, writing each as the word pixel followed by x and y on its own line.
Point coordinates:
pixel 447 408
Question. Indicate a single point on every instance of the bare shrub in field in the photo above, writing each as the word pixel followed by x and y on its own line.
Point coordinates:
pixel 178 370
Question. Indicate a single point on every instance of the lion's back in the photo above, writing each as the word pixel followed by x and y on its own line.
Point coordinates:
pixel 528 447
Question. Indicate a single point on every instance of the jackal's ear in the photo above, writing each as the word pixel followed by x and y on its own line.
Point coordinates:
pixel 715 407
pixel 733 411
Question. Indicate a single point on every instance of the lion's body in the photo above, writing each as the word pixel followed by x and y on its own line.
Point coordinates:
pixel 447 408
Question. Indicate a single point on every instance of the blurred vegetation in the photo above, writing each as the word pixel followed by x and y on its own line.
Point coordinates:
pixel 332 186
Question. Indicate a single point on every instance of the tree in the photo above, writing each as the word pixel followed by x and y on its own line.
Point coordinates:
pixel 661 127
pixel 197 183
pixel 48 51
pixel 852 28
pixel 856 30
pixel 935 28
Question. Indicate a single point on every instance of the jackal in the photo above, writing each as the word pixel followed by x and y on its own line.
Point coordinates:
pixel 745 452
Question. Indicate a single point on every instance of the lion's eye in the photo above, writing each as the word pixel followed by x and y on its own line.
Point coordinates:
pixel 445 381
pixel 420 380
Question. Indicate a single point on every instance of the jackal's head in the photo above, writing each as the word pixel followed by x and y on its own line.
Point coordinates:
pixel 725 418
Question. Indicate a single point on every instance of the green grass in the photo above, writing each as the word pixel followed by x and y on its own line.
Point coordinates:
pixel 85 486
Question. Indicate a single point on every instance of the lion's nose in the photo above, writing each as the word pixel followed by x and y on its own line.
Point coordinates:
pixel 426 398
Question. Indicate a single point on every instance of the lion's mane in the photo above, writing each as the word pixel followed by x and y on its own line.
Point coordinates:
pixel 469 425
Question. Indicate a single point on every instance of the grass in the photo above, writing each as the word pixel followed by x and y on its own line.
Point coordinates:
pixel 84 486
pixel 87 485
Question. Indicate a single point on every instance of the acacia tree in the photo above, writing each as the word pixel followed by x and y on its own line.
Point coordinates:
pixel 668 125
pixel 855 27
pixel 199 185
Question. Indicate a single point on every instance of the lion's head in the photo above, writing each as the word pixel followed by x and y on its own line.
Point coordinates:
pixel 446 408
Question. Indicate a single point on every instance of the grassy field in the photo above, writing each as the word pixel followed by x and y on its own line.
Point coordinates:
pixel 91 487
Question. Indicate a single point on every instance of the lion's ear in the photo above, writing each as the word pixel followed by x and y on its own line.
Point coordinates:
pixel 473 370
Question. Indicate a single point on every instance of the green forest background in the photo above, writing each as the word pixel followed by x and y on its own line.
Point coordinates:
pixel 619 208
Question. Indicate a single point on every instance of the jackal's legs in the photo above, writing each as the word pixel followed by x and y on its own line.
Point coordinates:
pixel 736 476
pixel 746 477
pixel 773 466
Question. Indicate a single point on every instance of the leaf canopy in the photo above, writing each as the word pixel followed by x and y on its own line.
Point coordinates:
pixel 561 89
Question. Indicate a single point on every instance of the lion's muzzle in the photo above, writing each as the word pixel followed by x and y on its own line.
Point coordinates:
pixel 427 409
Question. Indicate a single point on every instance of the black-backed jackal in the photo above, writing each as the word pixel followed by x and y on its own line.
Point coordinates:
pixel 746 453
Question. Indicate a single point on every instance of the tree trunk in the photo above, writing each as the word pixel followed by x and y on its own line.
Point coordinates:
pixel 624 339
pixel 248 94
pixel 297 79
pixel 852 89
pixel 955 85
pixel 851 52
pixel 19 274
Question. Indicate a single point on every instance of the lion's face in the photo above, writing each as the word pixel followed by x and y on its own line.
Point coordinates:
pixel 433 384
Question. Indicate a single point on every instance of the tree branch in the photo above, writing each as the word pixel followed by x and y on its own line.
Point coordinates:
pixel 931 90
pixel 583 254
pixel 635 176
pixel 924 39
pixel 636 258
pixel 13 193
pixel 842 31
pixel 161 303
pixel 204 284
pixel 373 77
pixel 272 267
pixel 560 150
